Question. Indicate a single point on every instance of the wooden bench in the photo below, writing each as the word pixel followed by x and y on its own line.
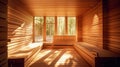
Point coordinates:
pixel 93 55
pixel 64 40
pixel 27 52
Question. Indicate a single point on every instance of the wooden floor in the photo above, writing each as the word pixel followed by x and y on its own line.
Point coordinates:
pixel 58 58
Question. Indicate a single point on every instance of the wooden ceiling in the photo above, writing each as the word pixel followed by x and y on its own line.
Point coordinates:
pixel 58 7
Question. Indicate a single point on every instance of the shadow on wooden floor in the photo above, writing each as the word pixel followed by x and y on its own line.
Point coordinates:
pixel 58 58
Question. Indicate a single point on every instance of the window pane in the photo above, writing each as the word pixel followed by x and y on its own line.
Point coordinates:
pixel 71 25
pixel 39 29
pixel 50 26
pixel 61 25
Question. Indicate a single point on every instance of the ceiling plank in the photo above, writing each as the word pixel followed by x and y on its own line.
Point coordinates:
pixel 57 7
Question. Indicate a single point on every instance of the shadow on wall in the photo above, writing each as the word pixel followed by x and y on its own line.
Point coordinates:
pixel 105 25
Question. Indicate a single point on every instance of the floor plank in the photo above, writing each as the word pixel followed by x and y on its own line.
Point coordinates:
pixel 58 58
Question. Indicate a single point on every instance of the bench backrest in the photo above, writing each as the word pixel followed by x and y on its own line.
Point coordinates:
pixel 64 40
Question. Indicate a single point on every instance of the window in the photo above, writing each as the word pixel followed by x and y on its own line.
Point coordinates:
pixel 61 25
pixel 71 25
pixel 38 28
pixel 64 26
pixel 50 26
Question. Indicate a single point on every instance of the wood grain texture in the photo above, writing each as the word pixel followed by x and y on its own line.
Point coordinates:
pixel 92 26
pixel 64 40
pixel 88 56
pixel 105 33
pixel 20 27
pixel 59 57
pixel 58 8
pixel 3 33
pixel 91 54
pixel 111 14
pixel 79 28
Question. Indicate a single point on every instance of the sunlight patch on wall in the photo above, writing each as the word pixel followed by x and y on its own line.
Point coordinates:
pixel 95 19
pixel 95 27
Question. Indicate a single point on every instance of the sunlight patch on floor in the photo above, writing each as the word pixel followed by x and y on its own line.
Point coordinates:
pixel 52 57
pixel 66 59
pixel 58 58
pixel 40 55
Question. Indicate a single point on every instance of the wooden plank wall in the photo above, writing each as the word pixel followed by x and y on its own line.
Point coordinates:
pixel 20 24
pixel 92 26
pixel 79 28
pixel 3 33
pixel 111 14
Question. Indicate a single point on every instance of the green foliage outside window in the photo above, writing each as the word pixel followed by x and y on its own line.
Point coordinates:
pixel 61 25
pixel 50 26
pixel 71 25
pixel 38 28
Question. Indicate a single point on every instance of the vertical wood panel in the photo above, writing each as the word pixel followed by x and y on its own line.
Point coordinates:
pixel 44 29
pixel 55 25
pixel 66 25
pixel 33 30
pixel 3 33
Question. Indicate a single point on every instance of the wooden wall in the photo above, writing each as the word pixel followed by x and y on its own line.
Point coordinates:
pixel 101 25
pixel 20 24
pixel 111 25
pixel 79 28
pixel 92 26
pixel 3 33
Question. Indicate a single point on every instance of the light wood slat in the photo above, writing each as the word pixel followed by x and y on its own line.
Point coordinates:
pixel 92 32
pixel 106 30
pixel 86 55
pixel 64 40
pixel 19 29
pixel 50 8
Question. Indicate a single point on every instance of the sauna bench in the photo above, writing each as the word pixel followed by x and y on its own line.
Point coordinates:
pixel 64 40
pixel 96 56
pixel 27 53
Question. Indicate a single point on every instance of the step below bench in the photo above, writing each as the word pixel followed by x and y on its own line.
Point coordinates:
pixel 97 57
